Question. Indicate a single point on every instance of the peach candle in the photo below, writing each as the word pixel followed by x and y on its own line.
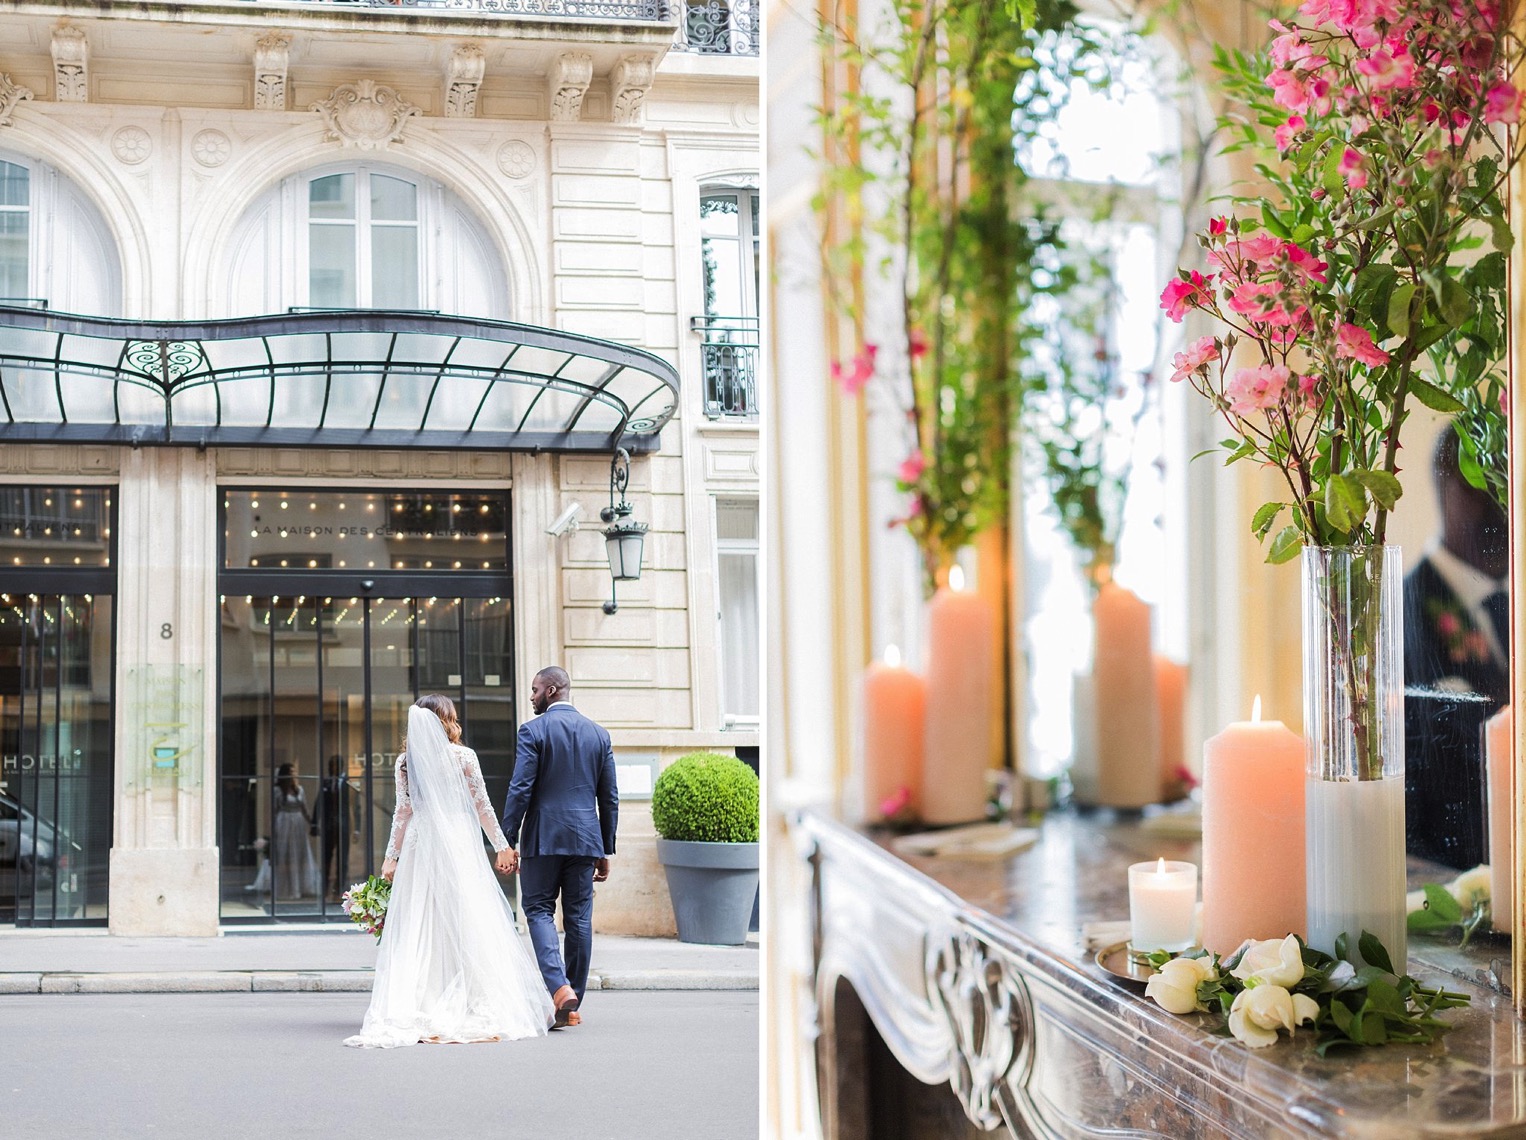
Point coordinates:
pixel 1128 719
pixel 1171 701
pixel 960 636
pixel 1253 833
pixel 895 706
pixel 1498 731
pixel 1162 900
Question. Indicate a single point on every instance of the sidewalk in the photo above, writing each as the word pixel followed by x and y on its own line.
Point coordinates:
pixel 318 959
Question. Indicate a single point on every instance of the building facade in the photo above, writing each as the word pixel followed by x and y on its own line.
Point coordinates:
pixel 325 330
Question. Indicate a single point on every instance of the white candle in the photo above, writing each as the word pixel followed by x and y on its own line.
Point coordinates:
pixel 1162 901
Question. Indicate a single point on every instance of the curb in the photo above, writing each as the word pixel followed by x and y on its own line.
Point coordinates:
pixel 322 981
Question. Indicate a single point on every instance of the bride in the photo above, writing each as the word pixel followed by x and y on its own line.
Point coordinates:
pixel 451 967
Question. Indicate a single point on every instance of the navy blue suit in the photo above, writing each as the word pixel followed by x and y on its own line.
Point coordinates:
pixel 561 815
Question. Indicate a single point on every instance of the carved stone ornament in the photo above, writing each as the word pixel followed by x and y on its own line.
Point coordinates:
pixel 131 145
pixel 988 1010
pixel 629 82
pixel 365 115
pixel 211 147
pixel 570 77
pixel 271 56
pixel 71 60
pixel 10 95
pixel 516 158
pixel 463 78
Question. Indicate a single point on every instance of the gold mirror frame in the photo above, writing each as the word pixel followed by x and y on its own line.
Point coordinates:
pixel 1517 371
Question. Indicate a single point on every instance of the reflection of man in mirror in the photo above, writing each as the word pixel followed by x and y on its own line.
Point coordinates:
pixel 1456 600
pixel 337 817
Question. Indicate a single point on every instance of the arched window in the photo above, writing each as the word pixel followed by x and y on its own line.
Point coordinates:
pixel 364 236
pixel 15 231
pixel 363 242
pixel 728 227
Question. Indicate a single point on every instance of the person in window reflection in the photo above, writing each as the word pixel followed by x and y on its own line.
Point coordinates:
pixel 1456 599
pixel 296 871
pixel 336 819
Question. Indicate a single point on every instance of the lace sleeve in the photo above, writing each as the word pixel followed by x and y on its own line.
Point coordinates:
pixel 478 787
pixel 400 814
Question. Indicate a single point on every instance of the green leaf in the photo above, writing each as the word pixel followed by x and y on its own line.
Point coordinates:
pixel 1439 901
pixel 1504 240
pixel 1343 946
pixel 1398 308
pixel 1345 502
pixel 1433 397
pixel 1385 998
pixel 1285 546
pixel 1456 302
pixel 1383 487
pixel 1340 1013
pixel 1373 953
pixel 1265 515
pixel 1273 223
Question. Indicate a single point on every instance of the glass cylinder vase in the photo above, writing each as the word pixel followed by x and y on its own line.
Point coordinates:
pixel 1353 685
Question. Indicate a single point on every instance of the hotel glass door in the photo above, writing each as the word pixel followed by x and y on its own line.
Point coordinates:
pixel 315 693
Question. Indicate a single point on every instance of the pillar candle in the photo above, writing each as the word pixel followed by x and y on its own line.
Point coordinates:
pixel 1128 732
pixel 1253 833
pixel 960 632
pixel 1083 727
pixel 895 703
pixel 1498 733
pixel 1171 704
pixel 1162 902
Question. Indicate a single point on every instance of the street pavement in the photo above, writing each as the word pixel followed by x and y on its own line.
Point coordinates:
pixel 320 959
pixel 643 1066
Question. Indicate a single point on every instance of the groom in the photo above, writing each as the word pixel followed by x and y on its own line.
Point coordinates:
pixel 563 792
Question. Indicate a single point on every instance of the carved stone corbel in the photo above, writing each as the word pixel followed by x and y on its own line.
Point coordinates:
pixel 272 55
pixel 629 83
pixel 365 115
pixel 10 95
pixel 990 1013
pixel 71 62
pixel 463 79
pixel 570 77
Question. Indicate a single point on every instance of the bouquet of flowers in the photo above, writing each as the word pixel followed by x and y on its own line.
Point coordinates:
pixel 366 904
pixel 1281 984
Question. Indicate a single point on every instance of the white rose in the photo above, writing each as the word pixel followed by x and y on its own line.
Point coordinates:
pixel 1471 887
pixel 1174 987
pixel 1274 962
pixel 1259 1012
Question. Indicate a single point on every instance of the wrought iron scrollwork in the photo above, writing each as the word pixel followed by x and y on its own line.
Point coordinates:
pixel 719 27
pixel 989 1011
pixel 164 361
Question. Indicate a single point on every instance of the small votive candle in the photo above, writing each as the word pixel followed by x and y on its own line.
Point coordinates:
pixel 1162 903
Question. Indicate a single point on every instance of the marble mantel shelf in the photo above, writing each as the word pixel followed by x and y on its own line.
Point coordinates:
pixel 975 976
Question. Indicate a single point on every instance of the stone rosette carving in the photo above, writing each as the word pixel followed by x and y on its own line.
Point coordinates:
pixel 516 158
pixel 11 94
pixel 365 115
pixel 570 77
pixel 272 54
pixel 463 79
pixel 629 83
pixel 988 1011
pixel 131 145
pixel 211 147
pixel 71 63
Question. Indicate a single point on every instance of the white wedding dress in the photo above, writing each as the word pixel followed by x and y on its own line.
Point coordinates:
pixel 451 966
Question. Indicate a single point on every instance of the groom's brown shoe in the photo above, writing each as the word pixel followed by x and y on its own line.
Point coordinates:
pixel 566 1001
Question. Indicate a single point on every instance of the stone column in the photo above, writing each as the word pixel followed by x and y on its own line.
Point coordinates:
pixel 164 862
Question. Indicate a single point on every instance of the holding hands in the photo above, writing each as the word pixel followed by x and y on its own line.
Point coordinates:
pixel 507 861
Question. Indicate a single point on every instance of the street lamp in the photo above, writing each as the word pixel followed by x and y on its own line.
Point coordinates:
pixel 623 539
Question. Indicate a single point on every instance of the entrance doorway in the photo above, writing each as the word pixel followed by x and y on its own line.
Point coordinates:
pixel 315 690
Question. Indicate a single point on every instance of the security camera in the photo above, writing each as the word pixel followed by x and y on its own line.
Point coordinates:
pixel 566 521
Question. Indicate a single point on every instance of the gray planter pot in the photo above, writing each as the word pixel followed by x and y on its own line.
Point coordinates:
pixel 712 886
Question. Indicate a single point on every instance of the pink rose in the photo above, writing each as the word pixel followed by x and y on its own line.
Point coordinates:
pixel 1502 104
pixel 916 343
pixel 1447 624
pixel 853 378
pixel 1386 70
pixel 1355 343
pixel 1257 389
pixel 1284 134
pixel 1195 358
pixel 1217 226
pixel 1179 295
pixel 911 467
pixel 1352 166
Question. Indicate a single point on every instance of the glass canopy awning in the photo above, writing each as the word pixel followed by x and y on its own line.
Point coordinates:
pixel 367 378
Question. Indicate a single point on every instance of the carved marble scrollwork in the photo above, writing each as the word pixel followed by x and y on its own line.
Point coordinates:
pixel 71 61
pixel 463 79
pixel 570 77
pixel 271 56
pixel 10 95
pixel 365 115
pixel 629 83
pixel 990 1015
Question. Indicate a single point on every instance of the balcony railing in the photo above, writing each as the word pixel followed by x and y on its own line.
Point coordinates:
pixel 729 356
pixel 581 9
pixel 717 27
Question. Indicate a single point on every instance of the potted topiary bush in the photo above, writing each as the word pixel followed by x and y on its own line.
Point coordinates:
pixel 705 810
